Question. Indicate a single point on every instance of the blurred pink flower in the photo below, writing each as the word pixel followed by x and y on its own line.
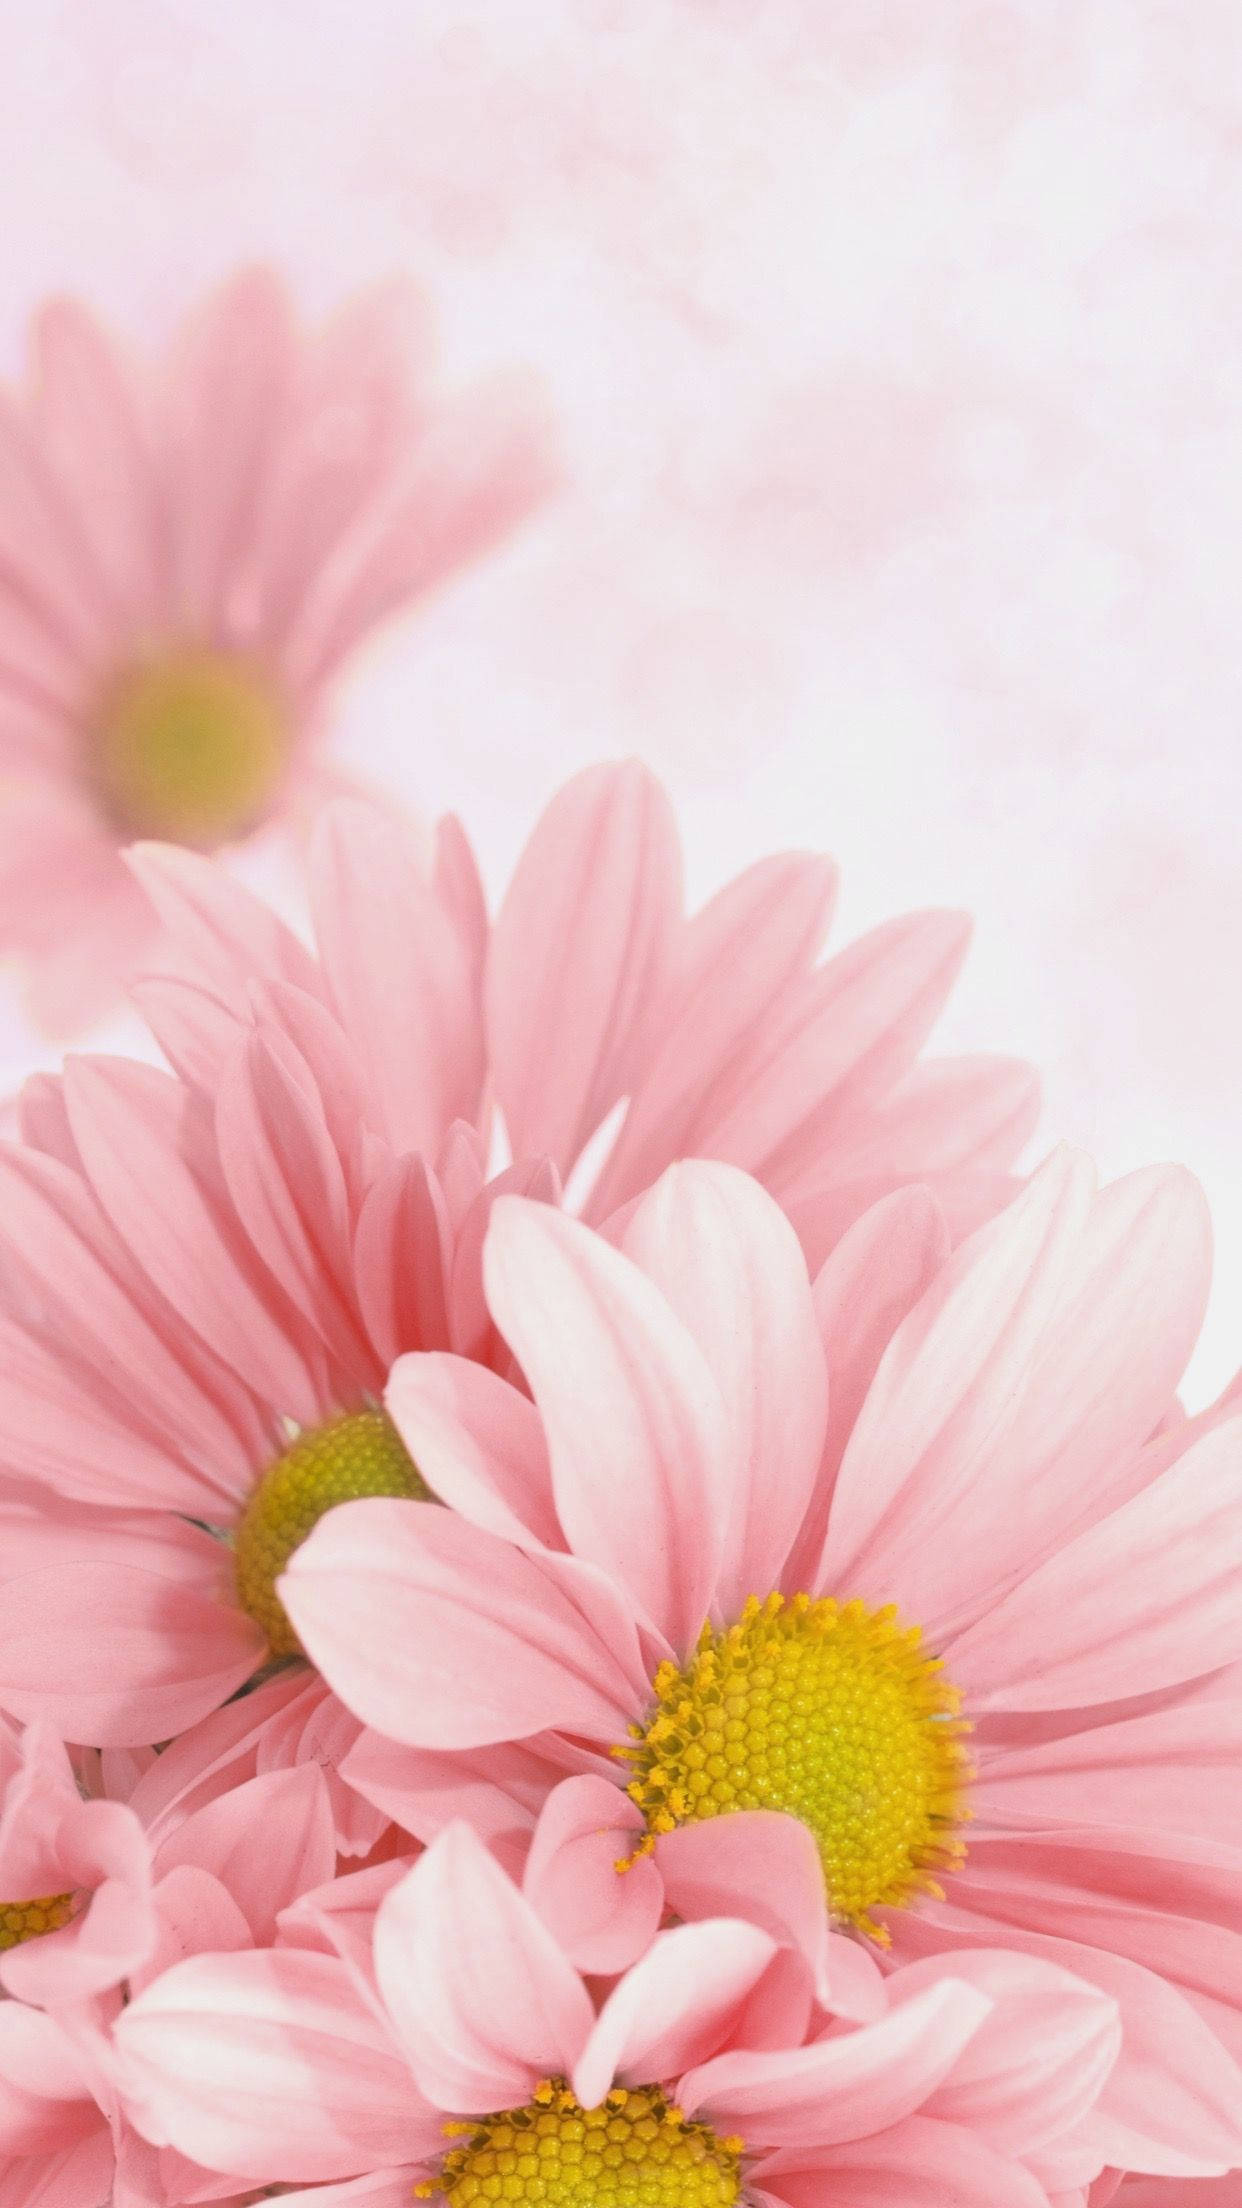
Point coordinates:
pixel 185 564
pixel 925 1487
pixel 703 2061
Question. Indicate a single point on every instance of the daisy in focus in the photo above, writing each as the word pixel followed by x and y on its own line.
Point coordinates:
pixel 466 2061
pixel 187 561
pixel 923 1557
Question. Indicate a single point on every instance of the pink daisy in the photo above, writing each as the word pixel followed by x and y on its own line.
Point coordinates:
pixel 968 1595
pixel 205 1277
pixel 476 2066
pixel 186 561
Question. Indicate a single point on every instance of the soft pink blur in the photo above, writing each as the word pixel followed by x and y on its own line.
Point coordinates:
pixel 899 355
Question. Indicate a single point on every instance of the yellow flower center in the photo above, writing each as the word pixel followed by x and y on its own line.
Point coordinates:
pixel 832 1714
pixel 189 745
pixel 636 2151
pixel 29 1920
pixel 359 1455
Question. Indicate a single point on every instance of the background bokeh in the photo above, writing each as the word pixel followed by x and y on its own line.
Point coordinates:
pixel 898 352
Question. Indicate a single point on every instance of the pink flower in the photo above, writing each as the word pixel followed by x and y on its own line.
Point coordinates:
pixel 205 1278
pixel 186 563
pixel 769 1594
pixel 703 2069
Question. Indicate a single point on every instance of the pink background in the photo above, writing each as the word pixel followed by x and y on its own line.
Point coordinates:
pixel 898 350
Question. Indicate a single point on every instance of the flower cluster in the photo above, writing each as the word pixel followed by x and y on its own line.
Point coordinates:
pixel 601 1604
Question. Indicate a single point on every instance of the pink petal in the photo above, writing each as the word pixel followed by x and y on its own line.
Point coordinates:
pixel 221 2052
pixel 65 1264
pixel 760 1866
pixel 152 1165
pixel 478 1443
pixel 288 1183
pixel 482 464
pixel 737 958
pixel 223 937
pixel 867 1287
pixel 1147 1598
pixel 90 430
pixel 399 973
pixel 915 2164
pixel 578 954
pixel 442 1635
pixel 229 398
pixel 1036 2066
pixel 267 1841
pixel 602 1916
pixel 644 1469
pixel 729 1264
pixel 118 1629
pixel 102 1855
pixel 843 1036
pixel 947 1113
pixel 847 2085
pixel 45 2100
pixel 1169 1771
pixel 675 2007
pixel 952 1372
pixel 483 2000
pixel 401 1253
pixel 195 1915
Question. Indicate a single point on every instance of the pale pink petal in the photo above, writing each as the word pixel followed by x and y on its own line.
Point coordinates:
pixel 844 1035
pixel 483 2000
pixel 477 1442
pixel 229 394
pixel 76 2177
pixel 1169 1770
pixel 675 2007
pixel 915 2164
pixel 64 1266
pixel 736 958
pixel 577 956
pixel 91 432
pixel 953 1371
pixel 1171 2103
pixel 644 1469
pixel 288 1184
pixel 602 1915
pixel 1036 2065
pixel 222 935
pixel 472 1330
pixel 729 1264
pixel 764 1867
pixel 1147 1598
pixel 947 1113
pixel 483 463
pixel 150 1157
pixel 267 2065
pixel 866 1288
pixel 399 973
pixel 118 1628
pixel 442 1635
pixel 195 1915
pixel 42 555
pixel 266 1841
pixel 45 2099
pixel 219 1753
pixel 401 1257
pixel 383 2189
pixel 499 1789
pixel 846 2085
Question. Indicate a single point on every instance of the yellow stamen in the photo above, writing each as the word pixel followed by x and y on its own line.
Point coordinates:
pixel 635 2151
pixel 832 1714
pixel 30 1920
pixel 359 1455
pixel 189 745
